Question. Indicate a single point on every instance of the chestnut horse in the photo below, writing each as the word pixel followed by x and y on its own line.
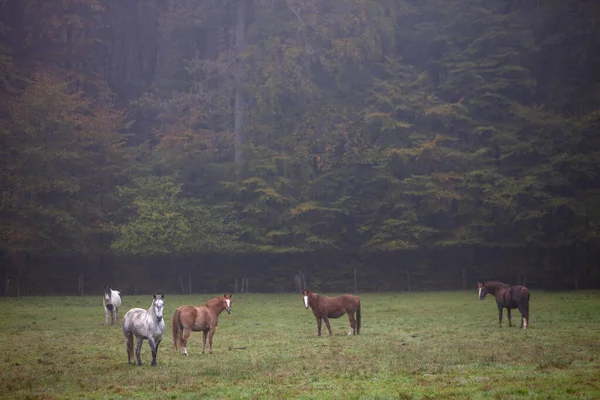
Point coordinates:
pixel 188 319
pixel 324 307
pixel 509 297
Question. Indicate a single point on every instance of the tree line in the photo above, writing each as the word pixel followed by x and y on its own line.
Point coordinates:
pixel 369 144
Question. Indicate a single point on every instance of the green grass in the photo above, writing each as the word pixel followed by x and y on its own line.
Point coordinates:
pixel 419 345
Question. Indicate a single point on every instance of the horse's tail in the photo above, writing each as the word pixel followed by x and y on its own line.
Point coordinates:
pixel 358 317
pixel 176 329
pixel 526 296
pixel 129 337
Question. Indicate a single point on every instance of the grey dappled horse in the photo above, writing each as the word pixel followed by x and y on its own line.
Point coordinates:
pixel 145 324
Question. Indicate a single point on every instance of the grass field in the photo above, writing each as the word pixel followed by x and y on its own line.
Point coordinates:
pixel 412 345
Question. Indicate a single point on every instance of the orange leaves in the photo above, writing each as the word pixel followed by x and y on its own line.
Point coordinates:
pixel 416 151
pixel 304 208
pixel 448 177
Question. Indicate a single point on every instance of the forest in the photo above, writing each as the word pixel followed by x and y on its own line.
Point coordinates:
pixel 248 145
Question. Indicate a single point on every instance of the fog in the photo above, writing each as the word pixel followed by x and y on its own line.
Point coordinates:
pixel 192 146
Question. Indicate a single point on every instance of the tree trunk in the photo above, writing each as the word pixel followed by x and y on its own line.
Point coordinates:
pixel 27 258
pixel 80 288
pixel 574 265
pixel 240 45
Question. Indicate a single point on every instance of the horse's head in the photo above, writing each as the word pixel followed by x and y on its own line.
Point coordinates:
pixel 306 298
pixel 227 303
pixel 482 289
pixel 107 294
pixel 158 304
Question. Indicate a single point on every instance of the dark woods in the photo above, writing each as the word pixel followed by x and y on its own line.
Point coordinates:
pixel 372 144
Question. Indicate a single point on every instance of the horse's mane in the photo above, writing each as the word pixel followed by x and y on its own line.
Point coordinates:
pixel 213 301
pixel 317 295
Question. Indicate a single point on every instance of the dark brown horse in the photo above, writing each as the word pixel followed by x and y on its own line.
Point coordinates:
pixel 509 297
pixel 188 319
pixel 324 308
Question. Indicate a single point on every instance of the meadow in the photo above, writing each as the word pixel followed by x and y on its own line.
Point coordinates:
pixel 412 346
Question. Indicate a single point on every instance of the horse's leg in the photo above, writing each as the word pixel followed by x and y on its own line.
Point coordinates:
pixel 106 315
pixel 113 316
pixel 508 315
pixel 352 330
pixel 210 336
pixel 523 316
pixel 138 349
pixel 319 326
pixel 204 334
pixel 184 340
pixel 499 316
pixel 154 349
pixel 327 325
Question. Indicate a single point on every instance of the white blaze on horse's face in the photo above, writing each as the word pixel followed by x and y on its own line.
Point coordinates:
pixel 306 302
pixel 482 291
pixel 158 308
pixel 228 305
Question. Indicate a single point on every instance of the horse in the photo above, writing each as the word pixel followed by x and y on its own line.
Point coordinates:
pixel 188 319
pixel 145 324
pixel 111 302
pixel 324 308
pixel 509 297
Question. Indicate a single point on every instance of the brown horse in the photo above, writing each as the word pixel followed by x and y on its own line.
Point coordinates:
pixel 509 297
pixel 188 319
pixel 324 308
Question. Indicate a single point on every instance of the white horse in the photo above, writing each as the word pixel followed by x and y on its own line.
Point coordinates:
pixel 111 302
pixel 145 324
